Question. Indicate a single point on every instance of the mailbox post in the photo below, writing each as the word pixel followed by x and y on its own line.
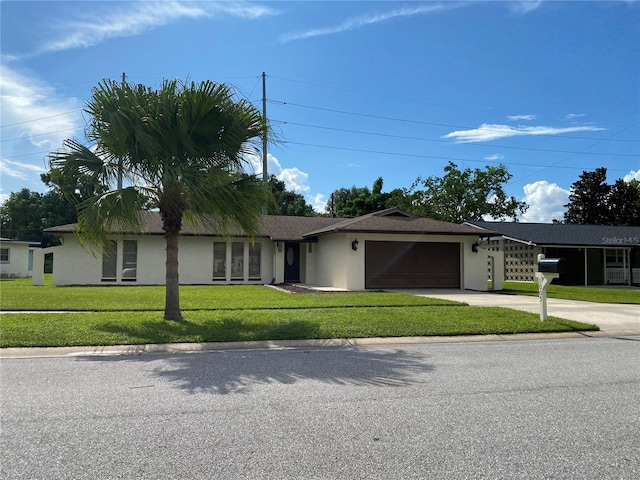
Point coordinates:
pixel 548 269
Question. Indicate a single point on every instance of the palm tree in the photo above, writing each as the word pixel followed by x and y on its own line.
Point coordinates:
pixel 181 148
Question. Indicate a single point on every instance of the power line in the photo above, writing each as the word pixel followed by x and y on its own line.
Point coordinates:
pixel 26 155
pixel 493 146
pixel 421 122
pixel 36 135
pixel 413 100
pixel 434 157
pixel 555 165
pixel 239 89
pixel 41 118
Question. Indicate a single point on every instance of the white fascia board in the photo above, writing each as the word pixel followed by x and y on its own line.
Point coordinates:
pixel 519 240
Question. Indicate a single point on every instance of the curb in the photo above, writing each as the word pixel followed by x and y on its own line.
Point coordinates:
pixel 181 348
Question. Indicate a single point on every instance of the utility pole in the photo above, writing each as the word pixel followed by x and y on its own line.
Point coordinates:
pixel 124 79
pixel 265 174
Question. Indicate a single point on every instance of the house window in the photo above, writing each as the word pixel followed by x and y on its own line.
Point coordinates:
pixel 129 260
pixel 4 255
pixel 237 260
pixel 219 260
pixel 615 257
pixel 254 261
pixel 109 261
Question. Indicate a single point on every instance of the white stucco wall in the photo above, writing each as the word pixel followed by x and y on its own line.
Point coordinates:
pixel 308 261
pixel 73 265
pixel 333 259
pixel 38 264
pixel 278 262
pixel 338 265
pixel 475 268
pixel 18 264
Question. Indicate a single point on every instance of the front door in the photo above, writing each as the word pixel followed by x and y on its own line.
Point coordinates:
pixel 292 263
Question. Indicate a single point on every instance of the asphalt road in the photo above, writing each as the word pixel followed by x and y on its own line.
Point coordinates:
pixel 565 408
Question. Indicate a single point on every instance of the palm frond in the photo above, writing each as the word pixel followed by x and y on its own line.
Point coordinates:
pixel 117 211
pixel 233 199
pixel 76 160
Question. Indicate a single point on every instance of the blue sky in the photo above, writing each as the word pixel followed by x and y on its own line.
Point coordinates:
pixel 356 90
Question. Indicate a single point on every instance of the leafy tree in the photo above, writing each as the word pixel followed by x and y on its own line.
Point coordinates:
pixel 182 148
pixel 66 192
pixel 368 201
pixel 22 216
pixel 624 203
pixel 588 199
pixel 76 187
pixel 286 202
pixel 365 202
pixel 594 202
pixel 462 195
pixel 340 198
pixel 355 201
pixel 25 214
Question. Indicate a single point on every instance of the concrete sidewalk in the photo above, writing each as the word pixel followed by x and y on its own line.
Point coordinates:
pixel 608 316
pixel 182 348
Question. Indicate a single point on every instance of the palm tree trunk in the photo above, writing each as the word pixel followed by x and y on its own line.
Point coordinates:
pixel 172 284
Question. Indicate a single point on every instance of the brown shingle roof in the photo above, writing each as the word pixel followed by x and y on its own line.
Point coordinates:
pixel 394 220
pixel 285 228
pixel 275 227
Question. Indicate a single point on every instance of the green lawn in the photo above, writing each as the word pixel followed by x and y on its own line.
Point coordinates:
pixel 587 294
pixel 133 315
pixel 20 295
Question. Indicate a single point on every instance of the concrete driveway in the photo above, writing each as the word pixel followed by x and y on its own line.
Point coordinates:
pixel 608 316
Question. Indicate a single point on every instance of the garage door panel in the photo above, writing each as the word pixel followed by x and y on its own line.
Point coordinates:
pixel 412 265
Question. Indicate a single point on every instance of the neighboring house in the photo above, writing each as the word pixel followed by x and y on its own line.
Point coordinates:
pixel 16 258
pixel 387 249
pixel 596 254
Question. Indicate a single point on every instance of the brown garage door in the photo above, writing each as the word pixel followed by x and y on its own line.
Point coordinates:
pixel 412 265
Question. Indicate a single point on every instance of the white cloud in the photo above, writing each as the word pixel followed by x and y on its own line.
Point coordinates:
pixel 3 198
pixel 32 110
pixel 87 29
pixel 495 156
pixel 488 132
pixel 546 202
pixel 35 121
pixel 571 116
pixel 521 117
pixel 294 179
pixel 524 6
pixel 318 202
pixel 273 165
pixel 364 20
pixel 19 170
pixel 632 175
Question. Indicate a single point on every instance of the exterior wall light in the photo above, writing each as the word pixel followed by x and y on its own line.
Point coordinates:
pixel 474 247
pixel 354 245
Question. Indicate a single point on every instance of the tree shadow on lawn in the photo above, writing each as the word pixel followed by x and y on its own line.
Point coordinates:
pixel 226 372
pixel 227 329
